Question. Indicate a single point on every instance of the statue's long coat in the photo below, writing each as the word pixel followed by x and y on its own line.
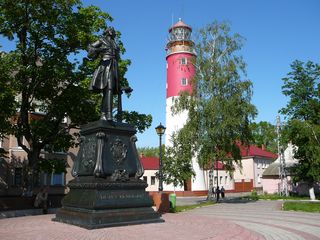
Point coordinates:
pixel 106 75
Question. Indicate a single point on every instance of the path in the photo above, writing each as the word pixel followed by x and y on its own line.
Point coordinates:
pixel 234 220
pixel 266 218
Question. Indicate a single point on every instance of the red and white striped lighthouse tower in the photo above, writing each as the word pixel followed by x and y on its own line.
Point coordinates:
pixel 180 71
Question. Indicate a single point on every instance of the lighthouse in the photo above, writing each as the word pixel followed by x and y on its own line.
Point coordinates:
pixel 180 71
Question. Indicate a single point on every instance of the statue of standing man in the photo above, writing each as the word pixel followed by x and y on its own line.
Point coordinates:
pixel 106 77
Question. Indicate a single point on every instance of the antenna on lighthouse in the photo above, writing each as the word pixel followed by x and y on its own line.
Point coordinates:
pixel 283 188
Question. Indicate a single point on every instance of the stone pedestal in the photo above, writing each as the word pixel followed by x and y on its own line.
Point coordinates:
pixel 107 189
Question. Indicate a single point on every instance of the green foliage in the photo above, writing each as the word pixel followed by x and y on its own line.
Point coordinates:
pixel 254 195
pixel 302 206
pixel 176 164
pixel 52 165
pixel 184 208
pixel 264 133
pixel 302 86
pixel 276 196
pixel 39 75
pixel 305 136
pixel 7 94
pixel 140 121
pixel 150 151
pixel 219 110
pixel 45 74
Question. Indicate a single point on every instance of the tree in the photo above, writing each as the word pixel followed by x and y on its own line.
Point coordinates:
pixel 176 167
pixel 264 134
pixel 149 151
pixel 302 86
pixel 219 109
pixel 45 73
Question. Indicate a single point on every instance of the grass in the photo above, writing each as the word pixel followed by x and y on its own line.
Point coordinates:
pixel 255 196
pixel 190 207
pixel 277 197
pixel 302 206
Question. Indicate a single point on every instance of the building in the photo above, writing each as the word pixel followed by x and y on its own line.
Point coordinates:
pixel 180 71
pixel 255 161
pixel 14 170
pixel 151 168
pixel 246 176
pixel 271 179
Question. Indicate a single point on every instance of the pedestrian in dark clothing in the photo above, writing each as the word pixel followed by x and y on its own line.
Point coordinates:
pixel 222 192
pixel 218 193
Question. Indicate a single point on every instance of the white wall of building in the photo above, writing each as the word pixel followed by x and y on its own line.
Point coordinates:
pixel 224 179
pixel 246 171
pixel 260 165
pixel 150 177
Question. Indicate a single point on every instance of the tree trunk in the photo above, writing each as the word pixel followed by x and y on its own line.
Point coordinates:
pixel 33 157
pixel 311 193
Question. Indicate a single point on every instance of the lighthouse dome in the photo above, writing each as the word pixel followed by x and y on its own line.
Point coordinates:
pixel 180 24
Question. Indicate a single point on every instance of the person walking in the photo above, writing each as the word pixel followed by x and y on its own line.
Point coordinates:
pixel 218 193
pixel 222 192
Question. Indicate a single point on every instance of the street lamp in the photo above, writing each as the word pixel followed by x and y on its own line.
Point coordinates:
pixel 160 131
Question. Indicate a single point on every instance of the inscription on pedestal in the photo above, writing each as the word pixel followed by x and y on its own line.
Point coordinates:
pixel 108 196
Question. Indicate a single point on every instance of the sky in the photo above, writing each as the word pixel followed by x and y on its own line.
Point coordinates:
pixel 277 32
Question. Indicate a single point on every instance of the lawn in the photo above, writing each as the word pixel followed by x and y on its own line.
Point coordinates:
pixel 302 206
pixel 190 207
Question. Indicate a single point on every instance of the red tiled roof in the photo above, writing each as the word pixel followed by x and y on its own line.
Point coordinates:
pixel 216 165
pixel 254 151
pixel 150 163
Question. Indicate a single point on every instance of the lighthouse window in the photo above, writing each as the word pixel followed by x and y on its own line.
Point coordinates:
pixel 184 61
pixel 184 82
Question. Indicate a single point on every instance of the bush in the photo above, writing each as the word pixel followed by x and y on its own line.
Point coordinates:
pixel 254 195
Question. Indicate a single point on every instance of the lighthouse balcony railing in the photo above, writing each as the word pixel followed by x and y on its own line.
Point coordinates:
pixel 181 50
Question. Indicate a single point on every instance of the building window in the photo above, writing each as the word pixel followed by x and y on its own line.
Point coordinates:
pixel 184 61
pixel 215 180
pixel 184 82
pixel 145 178
pixel 57 179
pixel 18 176
pixel 226 180
pixel 259 178
pixel 153 180
pixel 220 180
pixel 259 163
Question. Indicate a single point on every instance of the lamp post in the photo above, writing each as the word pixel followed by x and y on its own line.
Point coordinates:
pixel 160 131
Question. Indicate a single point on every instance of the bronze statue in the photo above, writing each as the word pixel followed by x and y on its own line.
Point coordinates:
pixel 106 77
